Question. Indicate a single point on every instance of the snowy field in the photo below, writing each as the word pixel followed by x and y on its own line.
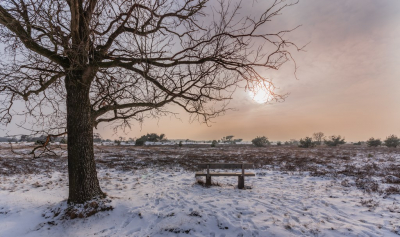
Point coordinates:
pixel 345 191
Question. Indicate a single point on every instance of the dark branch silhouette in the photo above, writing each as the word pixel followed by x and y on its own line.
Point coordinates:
pixel 79 63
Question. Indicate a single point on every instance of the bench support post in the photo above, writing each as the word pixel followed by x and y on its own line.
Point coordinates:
pixel 208 177
pixel 208 181
pixel 241 182
pixel 241 179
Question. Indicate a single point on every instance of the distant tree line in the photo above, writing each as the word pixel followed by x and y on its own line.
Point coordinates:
pixel 319 138
pixel 390 141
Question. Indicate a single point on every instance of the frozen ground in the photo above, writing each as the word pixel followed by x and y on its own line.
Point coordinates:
pixel 154 193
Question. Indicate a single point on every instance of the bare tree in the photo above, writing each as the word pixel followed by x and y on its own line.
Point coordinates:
pixel 78 63
pixel 318 137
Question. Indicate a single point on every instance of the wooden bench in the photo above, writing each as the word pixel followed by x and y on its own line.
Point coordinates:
pixel 240 175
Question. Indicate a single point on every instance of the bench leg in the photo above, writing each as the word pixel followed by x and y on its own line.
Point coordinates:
pixel 208 181
pixel 241 182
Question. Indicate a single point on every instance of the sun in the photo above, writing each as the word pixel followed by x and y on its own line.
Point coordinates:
pixel 260 95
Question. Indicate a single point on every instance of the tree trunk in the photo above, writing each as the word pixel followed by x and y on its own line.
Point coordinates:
pixel 83 182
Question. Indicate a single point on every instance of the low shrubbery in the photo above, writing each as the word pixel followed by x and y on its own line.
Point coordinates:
pixel 260 141
pixel 372 142
pixel 151 137
pixel 306 142
pixel 140 142
pixel 334 141
pixel 392 141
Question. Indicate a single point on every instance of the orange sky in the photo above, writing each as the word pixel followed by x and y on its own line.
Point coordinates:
pixel 348 80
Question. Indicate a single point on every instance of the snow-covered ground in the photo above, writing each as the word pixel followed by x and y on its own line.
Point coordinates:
pixel 166 200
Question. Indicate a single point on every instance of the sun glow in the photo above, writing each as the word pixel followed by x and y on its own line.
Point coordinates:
pixel 260 94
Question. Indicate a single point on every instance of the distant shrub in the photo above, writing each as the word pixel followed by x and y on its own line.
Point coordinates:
pixel 293 142
pixel 118 142
pixel 40 142
pixel 180 144
pixel 214 143
pixel 227 139
pixel 392 141
pixel 96 137
pixel 139 142
pixel 260 141
pixel 372 142
pixel 10 140
pixel 306 142
pixel 334 141
pixel 357 143
pixel 64 141
pixel 318 137
pixel 279 143
pixel 151 137
pixel 24 138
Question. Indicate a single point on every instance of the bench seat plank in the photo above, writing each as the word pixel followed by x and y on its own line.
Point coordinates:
pixel 225 166
pixel 223 174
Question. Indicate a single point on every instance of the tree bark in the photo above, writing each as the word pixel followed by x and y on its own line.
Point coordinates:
pixel 83 182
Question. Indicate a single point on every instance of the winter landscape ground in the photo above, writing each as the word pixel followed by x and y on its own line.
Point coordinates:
pixel 343 191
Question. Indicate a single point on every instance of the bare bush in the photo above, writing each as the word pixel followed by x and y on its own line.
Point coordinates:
pixel 318 137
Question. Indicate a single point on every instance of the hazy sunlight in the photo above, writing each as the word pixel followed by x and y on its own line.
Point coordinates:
pixel 260 95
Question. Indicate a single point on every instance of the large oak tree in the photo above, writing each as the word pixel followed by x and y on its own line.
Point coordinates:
pixel 78 63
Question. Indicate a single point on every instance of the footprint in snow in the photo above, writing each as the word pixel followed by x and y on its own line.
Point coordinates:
pixel 127 221
pixel 157 201
pixel 250 223
pixel 129 233
pixel 105 230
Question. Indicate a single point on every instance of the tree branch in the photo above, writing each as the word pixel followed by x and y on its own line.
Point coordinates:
pixel 14 26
